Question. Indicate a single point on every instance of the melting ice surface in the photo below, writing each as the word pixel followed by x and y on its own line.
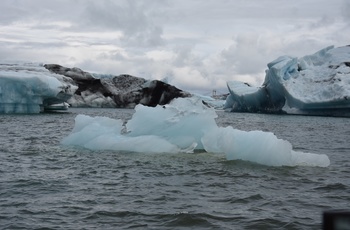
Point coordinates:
pixel 27 87
pixel 185 125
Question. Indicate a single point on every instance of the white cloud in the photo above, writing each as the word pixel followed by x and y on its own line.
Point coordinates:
pixel 198 45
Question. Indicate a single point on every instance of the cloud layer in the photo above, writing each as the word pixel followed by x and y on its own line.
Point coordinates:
pixel 196 45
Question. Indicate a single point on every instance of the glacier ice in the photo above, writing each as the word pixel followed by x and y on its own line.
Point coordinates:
pixel 246 98
pixel 29 88
pixel 314 84
pixel 32 87
pixel 185 125
pixel 122 91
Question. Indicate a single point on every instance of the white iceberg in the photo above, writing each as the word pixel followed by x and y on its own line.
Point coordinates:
pixel 313 84
pixel 185 125
pixel 29 88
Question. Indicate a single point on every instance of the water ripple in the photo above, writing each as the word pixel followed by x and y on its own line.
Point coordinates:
pixel 44 185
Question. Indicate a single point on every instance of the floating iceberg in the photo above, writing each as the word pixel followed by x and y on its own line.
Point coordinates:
pixel 29 88
pixel 122 91
pixel 313 84
pixel 246 98
pixel 185 125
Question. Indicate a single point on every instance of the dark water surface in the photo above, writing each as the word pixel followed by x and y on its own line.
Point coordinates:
pixel 44 185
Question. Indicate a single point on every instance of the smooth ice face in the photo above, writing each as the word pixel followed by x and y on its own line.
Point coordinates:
pixel 259 147
pixel 26 87
pixel 102 133
pixel 244 97
pixel 183 126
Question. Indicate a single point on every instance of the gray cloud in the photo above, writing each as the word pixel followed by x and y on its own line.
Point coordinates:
pixel 184 57
pixel 346 10
pixel 132 18
pixel 322 22
pixel 13 11
pixel 197 44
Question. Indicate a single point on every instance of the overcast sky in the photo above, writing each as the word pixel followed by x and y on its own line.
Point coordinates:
pixel 198 45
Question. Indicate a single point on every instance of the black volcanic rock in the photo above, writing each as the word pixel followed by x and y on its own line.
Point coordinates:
pixel 158 92
pixel 75 73
pixel 123 91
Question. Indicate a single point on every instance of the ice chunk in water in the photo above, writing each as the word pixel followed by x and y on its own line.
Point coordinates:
pixel 183 126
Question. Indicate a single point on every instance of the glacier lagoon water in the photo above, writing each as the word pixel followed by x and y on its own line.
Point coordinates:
pixel 47 185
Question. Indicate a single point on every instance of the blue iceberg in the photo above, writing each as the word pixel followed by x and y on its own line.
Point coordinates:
pixel 313 84
pixel 185 125
pixel 29 88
